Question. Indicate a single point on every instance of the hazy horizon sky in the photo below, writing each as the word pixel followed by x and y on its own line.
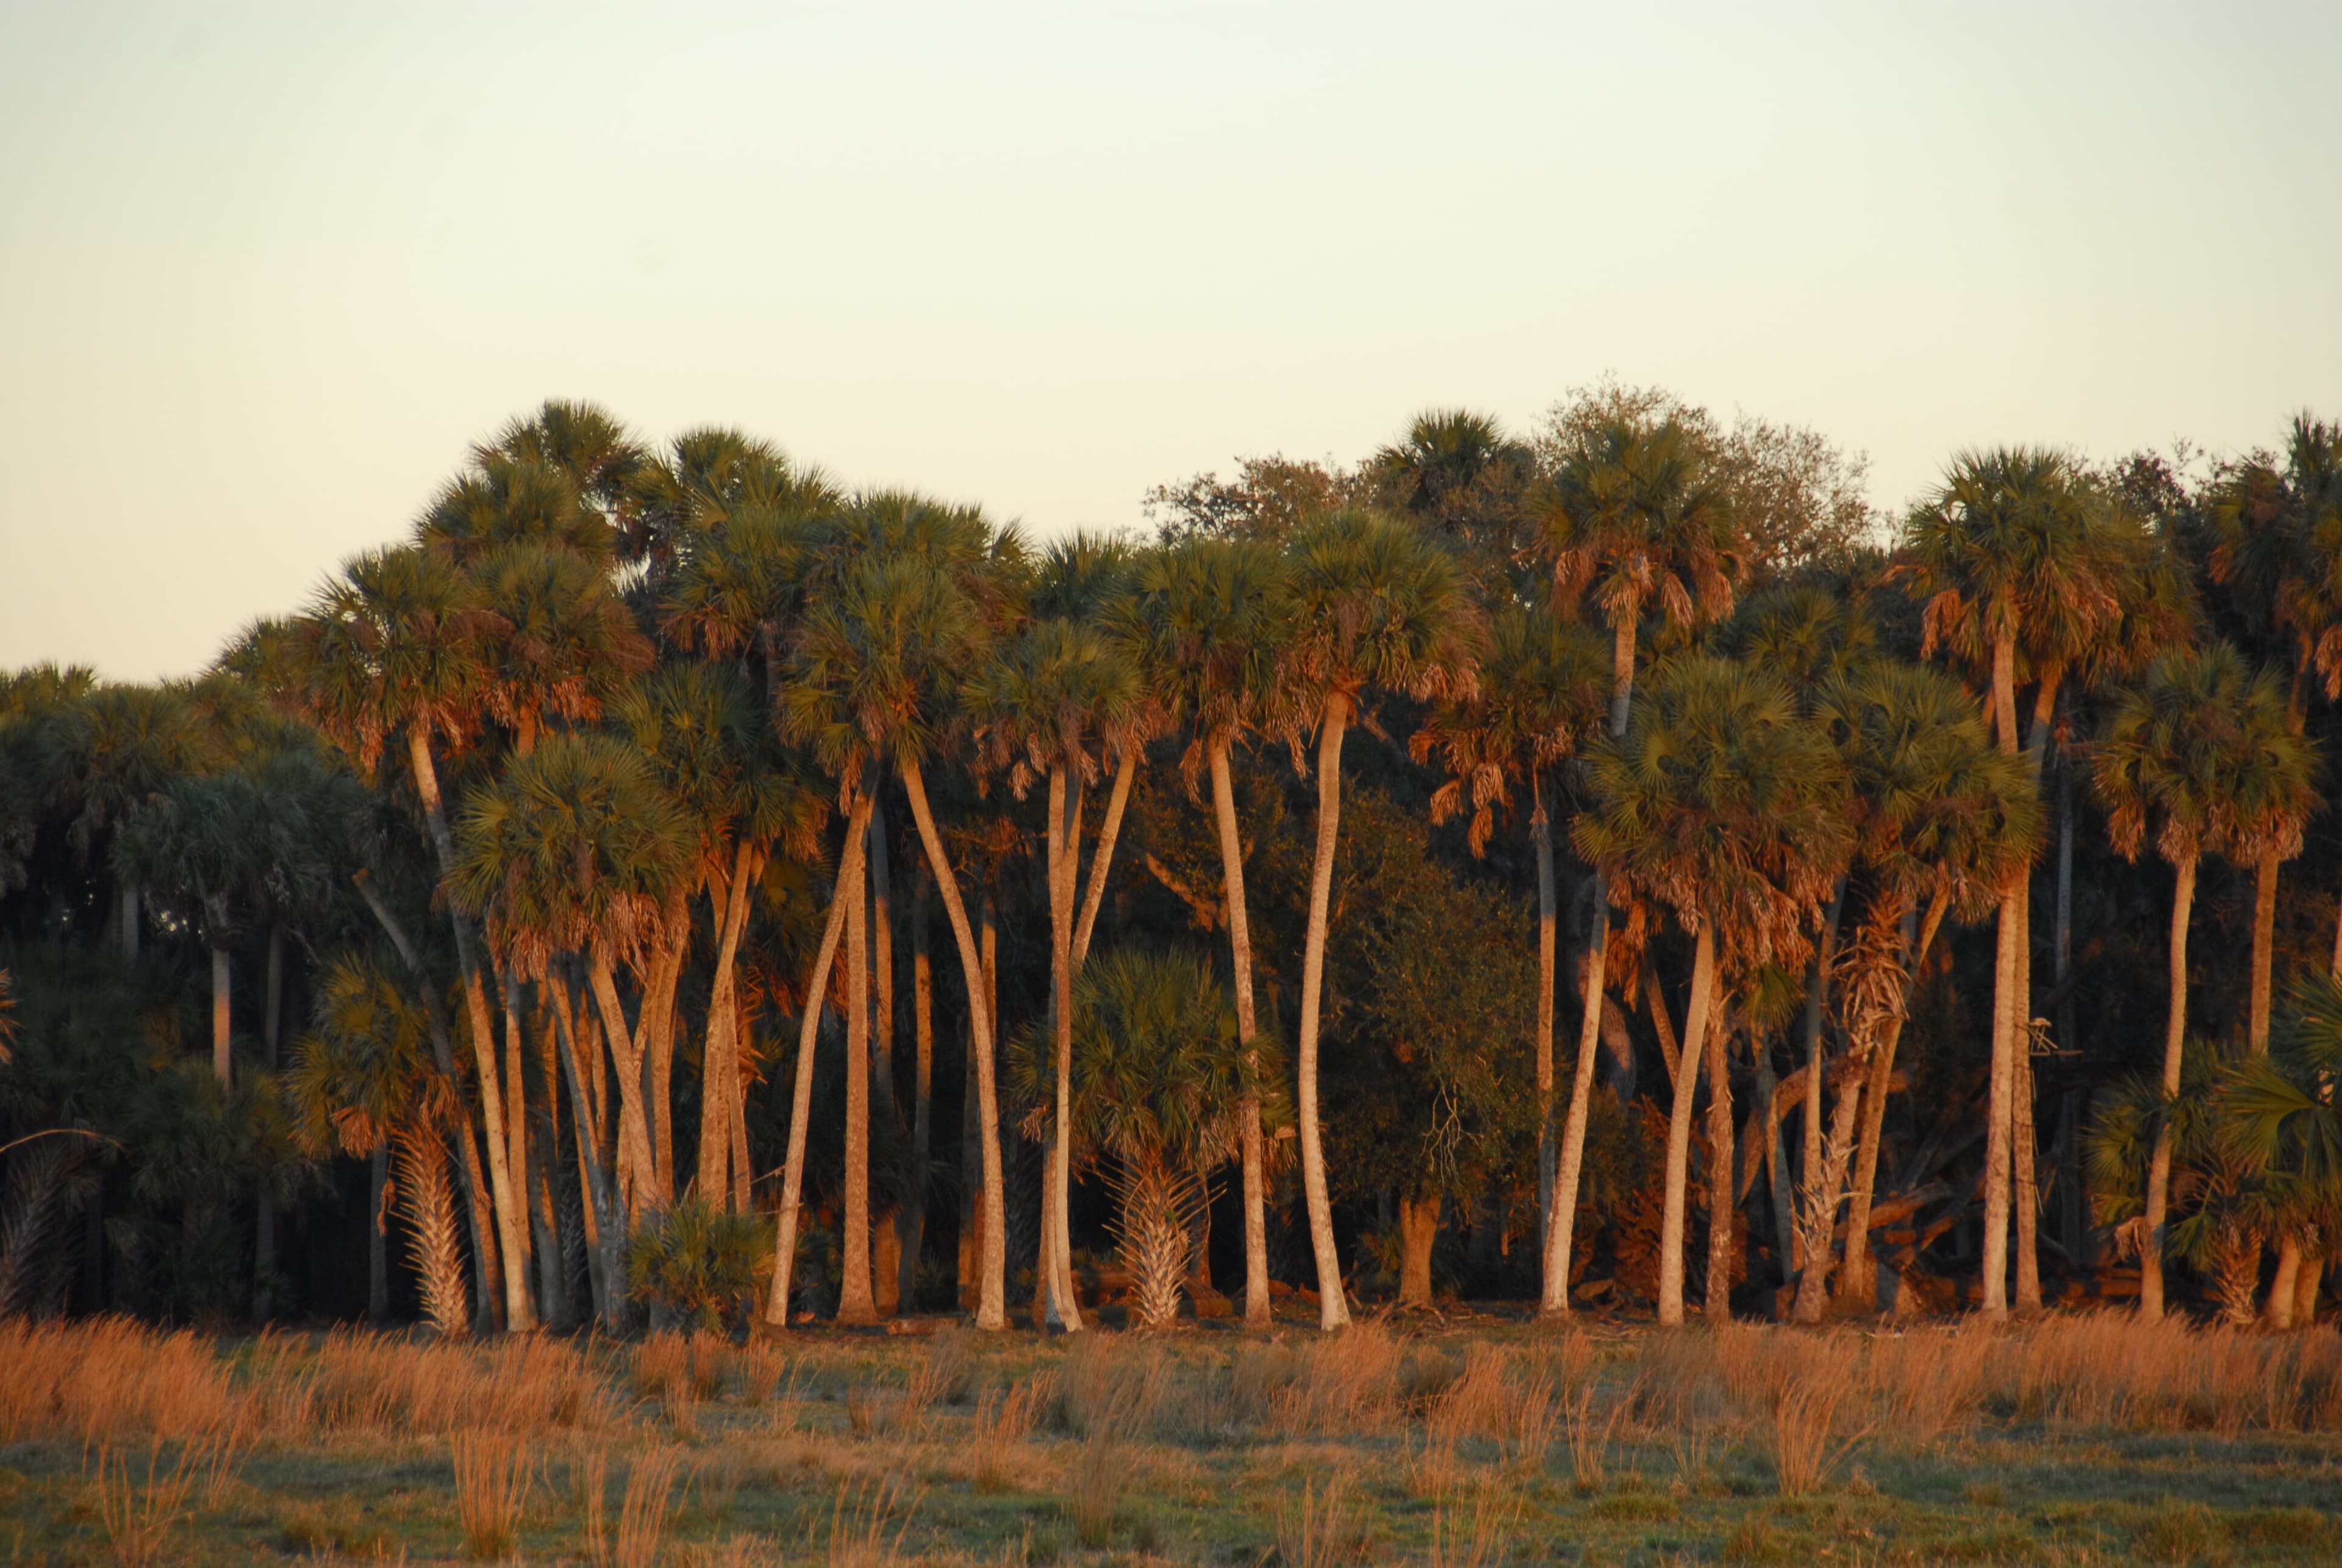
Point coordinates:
pixel 266 271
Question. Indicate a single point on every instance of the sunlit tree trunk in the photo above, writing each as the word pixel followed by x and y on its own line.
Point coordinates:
pixel 1418 1229
pixel 720 1057
pixel 992 1307
pixel 1671 1218
pixel 816 993
pixel 1815 1222
pixel 1064 838
pixel 1548 1150
pixel 2006 975
pixel 2175 1034
pixel 516 1130
pixel 511 1222
pixel 886 1236
pixel 2265 883
pixel 855 1302
pixel 1562 1214
pixel 1254 1152
pixel 1333 1310
pixel 1718 1307
pixel 922 1026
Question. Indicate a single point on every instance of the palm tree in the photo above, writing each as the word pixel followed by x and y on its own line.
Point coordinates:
pixel 1376 607
pixel 1724 804
pixel 2017 561
pixel 1207 620
pixel 1158 1081
pixel 388 654
pixel 2280 552
pixel 575 852
pixel 1540 697
pixel 2202 751
pixel 2280 1120
pixel 1050 701
pixel 871 673
pixel 1942 822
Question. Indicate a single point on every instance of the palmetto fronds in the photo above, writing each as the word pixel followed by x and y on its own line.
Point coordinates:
pixel 419 1165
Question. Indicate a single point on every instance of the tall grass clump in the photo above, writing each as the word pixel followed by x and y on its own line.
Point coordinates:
pixel 493 1472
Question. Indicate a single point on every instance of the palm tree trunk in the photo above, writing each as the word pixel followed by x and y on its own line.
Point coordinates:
pixel 2285 1283
pixel 885 1026
pixel 1622 668
pixel 600 1213
pixel 1671 1216
pixel 992 1306
pixel 2023 1143
pixel 720 1057
pixel 2062 947
pixel 855 1302
pixel 2174 1036
pixel 1333 1310
pixel 2304 1292
pixel 2006 975
pixel 223 1063
pixel 655 1038
pixel 1718 1308
pixel 1858 1283
pixel 517 1104
pixel 1064 844
pixel 971 1162
pixel 816 993
pixel 1813 1233
pixel 1254 1154
pixel 2265 880
pixel 1561 1216
pixel 922 1027
pixel 511 1222
pixel 1541 838
pixel 1102 857
pixel 1418 1229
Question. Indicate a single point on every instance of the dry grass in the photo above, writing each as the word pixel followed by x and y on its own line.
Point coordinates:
pixel 1097 1489
pixel 141 1511
pixel 647 1513
pixel 494 1473
pixel 1320 1530
pixel 868 1525
pixel 109 1380
pixel 1003 1421
pixel 1483 1539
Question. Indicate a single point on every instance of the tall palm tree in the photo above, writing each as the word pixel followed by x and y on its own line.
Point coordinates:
pixel 2279 551
pixel 2019 566
pixel 1208 619
pixel 1376 607
pixel 387 656
pixel 2202 751
pixel 872 674
pixel 574 853
pixel 1541 695
pixel 1051 701
pixel 1942 822
pixel 2279 1120
pixel 1725 805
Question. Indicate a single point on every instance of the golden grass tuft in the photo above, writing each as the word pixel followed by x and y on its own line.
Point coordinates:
pixel 645 1514
pixel 141 1511
pixel 109 1379
pixel 494 1473
pixel 1320 1530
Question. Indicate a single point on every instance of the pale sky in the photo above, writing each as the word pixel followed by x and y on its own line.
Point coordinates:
pixel 266 270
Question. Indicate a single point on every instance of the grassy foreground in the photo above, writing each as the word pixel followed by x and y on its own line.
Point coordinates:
pixel 2077 1440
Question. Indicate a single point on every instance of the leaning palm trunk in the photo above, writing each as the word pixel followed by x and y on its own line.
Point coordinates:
pixel 512 1222
pixel 1816 996
pixel 1333 1310
pixel 1671 1215
pixel 2159 1167
pixel 1561 1217
pixel 991 1303
pixel 431 1244
pixel 1255 1158
pixel 604 1210
pixel 785 1255
pixel 1064 844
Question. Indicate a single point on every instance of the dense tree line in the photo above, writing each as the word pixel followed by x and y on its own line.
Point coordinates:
pixel 1609 867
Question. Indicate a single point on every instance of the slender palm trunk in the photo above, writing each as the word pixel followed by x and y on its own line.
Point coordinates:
pixel 1820 1201
pixel 2062 944
pixel 1561 1216
pixel 634 1161
pixel 2024 1143
pixel 517 1105
pixel 855 1303
pixel 1102 857
pixel 1541 839
pixel 1859 1281
pixel 992 1306
pixel 2285 1283
pixel 223 1063
pixel 2005 973
pixel 922 1028
pixel 655 1034
pixel 1671 1215
pixel 2264 880
pixel 1333 1310
pixel 720 1058
pixel 511 1222
pixel 2175 1034
pixel 1718 1307
pixel 601 1212
pixel 1254 1152
pixel 1063 844
pixel 817 992
pixel 885 1026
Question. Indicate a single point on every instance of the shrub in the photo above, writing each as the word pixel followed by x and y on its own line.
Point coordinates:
pixel 698 1263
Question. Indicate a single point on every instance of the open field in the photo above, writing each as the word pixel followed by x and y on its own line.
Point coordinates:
pixel 2075 1440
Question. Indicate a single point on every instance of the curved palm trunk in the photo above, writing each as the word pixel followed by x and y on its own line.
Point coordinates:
pixel 635 1161
pixel 720 1058
pixel 1255 1155
pixel 2175 1034
pixel 1102 858
pixel 512 1221
pixel 991 1303
pixel 1671 1215
pixel 855 1303
pixel 1333 1310
pixel 784 1255
pixel 1561 1216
